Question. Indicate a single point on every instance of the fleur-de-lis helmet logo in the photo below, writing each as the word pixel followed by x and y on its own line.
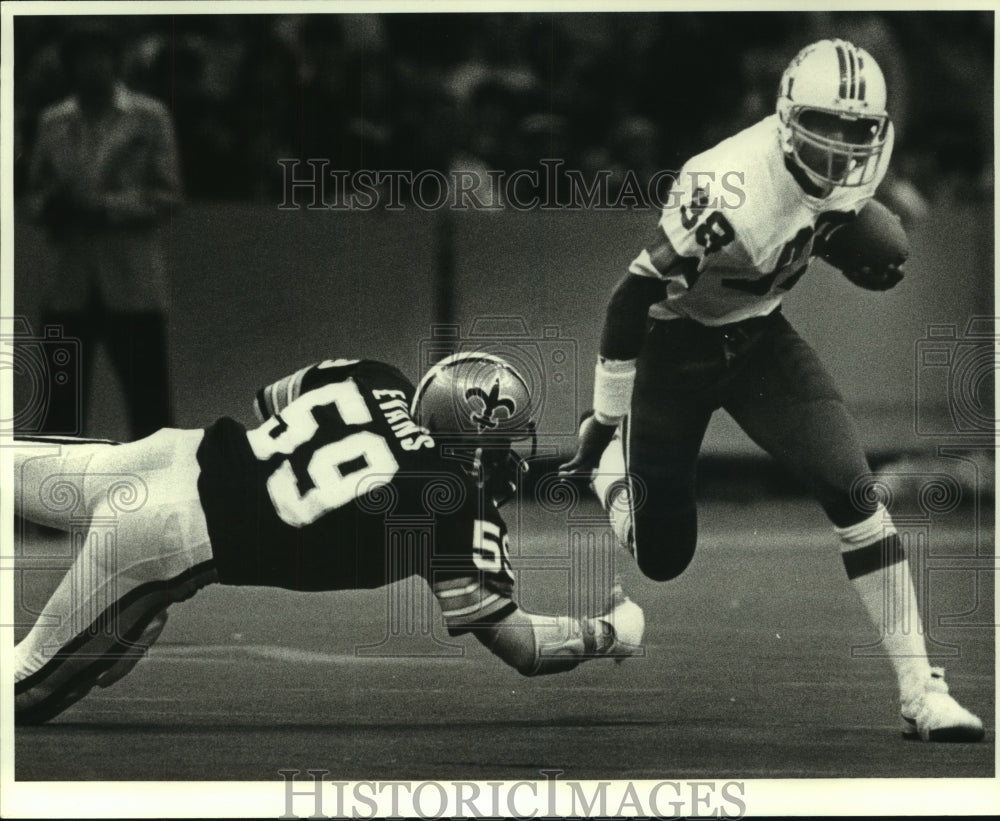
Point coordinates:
pixel 492 402
pixel 474 393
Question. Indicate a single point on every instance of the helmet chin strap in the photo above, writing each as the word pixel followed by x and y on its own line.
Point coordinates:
pixel 478 471
pixel 521 461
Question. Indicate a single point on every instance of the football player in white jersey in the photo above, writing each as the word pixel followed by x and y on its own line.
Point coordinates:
pixel 696 325
pixel 353 480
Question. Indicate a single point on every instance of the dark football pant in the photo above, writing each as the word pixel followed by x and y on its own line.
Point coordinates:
pixel 772 383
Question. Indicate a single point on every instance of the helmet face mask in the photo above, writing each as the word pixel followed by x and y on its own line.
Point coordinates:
pixel 497 467
pixel 835 150
pixel 478 408
pixel 833 122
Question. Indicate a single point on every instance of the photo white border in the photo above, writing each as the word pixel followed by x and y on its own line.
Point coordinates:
pixel 88 799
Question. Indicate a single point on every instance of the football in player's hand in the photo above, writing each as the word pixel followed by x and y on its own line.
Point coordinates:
pixel 875 240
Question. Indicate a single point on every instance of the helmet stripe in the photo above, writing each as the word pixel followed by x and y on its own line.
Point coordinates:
pixel 861 78
pixel 842 62
pixel 853 92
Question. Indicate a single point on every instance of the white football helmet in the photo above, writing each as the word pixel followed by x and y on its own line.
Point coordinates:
pixel 476 405
pixel 831 105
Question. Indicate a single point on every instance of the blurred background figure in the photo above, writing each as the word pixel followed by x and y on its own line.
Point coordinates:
pixel 434 91
pixel 103 178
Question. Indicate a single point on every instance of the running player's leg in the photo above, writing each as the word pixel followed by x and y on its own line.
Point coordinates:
pixel 785 400
pixel 147 547
pixel 660 442
pixel 787 403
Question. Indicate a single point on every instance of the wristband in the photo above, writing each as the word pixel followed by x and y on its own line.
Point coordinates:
pixel 613 383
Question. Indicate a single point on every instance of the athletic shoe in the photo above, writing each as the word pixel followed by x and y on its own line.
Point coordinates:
pixel 933 715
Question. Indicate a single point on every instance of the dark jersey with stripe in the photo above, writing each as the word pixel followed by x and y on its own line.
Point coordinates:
pixel 339 489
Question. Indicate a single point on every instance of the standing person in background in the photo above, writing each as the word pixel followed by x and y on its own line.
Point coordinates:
pixel 103 181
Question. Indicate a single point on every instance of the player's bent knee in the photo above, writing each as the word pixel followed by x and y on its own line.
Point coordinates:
pixel 844 509
pixel 663 568
pixel 664 549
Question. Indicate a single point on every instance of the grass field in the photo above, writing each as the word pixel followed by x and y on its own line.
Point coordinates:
pixel 749 673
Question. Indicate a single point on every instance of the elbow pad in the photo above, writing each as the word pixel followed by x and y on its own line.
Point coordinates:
pixel 279 395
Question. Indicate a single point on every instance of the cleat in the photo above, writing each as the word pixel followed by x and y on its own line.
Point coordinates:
pixel 135 652
pixel 47 699
pixel 933 715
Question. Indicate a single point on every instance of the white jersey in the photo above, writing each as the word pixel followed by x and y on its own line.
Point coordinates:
pixel 745 227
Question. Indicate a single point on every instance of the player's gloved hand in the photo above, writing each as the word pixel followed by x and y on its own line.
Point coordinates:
pixel 594 439
pixel 620 628
pixel 876 280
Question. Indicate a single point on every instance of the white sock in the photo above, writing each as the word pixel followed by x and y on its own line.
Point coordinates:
pixel 610 486
pixel 878 569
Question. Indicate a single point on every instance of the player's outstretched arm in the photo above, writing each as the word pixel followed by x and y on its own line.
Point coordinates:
pixel 537 645
pixel 621 340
